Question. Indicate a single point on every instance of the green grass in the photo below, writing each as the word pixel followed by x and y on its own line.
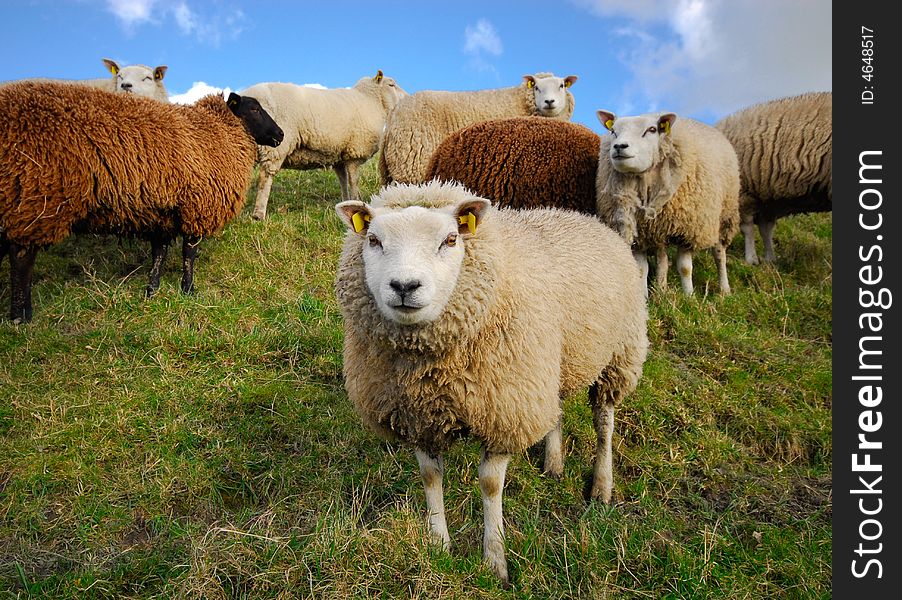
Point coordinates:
pixel 203 446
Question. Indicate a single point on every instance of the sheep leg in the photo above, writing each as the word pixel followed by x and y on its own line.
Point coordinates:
pixel 554 455
pixel 684 266
pixel 341 169
pixel 159 247
pixel 21 269
pixel 4 248
pixel 603 419
pixel 661 268
pixel 747 225
pixel 431 470
pixel 353 191
pixel 720 257
pixel 642 261
pixel 492 469
pixel 190 245
pixel 767 234
pixel 264 185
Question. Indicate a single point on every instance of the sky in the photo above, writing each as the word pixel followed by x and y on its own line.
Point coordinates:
pixel 697 58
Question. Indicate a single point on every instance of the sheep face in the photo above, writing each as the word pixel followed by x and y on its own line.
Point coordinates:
pixel 391 92
pixel 550 94
pixel 412 256
pixel 256 120
pixel 136 79
pixel 636 146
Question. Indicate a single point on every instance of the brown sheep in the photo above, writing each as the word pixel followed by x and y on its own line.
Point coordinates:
pixel 523 162
pixel 75 159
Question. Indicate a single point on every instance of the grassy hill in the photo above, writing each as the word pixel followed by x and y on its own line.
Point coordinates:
pixel 203 446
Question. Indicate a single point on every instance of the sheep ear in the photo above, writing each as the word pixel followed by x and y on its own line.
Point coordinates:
pixel 665 121
pixel 607 119
pixel 159 72
pixel 469 214
pixel 355 214
pixel 234 101
pixel 530 81
pixel 570 80
pixel 111 65
pixel 378 77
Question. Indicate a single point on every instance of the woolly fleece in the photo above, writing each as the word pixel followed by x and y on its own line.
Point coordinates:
pixel 423 120
pixel 79 157
pixel 513 338
pixel 524 162
pixel 323 127
pixel 785 152
pixel 694 186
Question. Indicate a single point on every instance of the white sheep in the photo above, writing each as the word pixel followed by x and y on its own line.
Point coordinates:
pixel 785 152
pixel 140 80
pixel 423 120
pixel 661 182
pixel 341 128
pixel 465 319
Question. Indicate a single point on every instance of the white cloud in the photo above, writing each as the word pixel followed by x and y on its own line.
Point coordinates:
pixel 482 37
pixel 184 18
pixel 210 23
pixel 710 57
pixel 196 92
pixel 131 12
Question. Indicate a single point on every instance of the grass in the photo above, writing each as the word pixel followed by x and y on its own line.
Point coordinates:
pixel 203 446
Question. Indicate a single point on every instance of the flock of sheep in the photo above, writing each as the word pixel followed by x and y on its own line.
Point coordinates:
pixel 502 267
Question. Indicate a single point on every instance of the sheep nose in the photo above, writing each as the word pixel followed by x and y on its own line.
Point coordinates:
pixel 126 86
pixel 549 103
pixel 405 287
pixel 621 146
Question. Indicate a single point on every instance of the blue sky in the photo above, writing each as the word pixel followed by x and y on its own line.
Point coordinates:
pixel 698 58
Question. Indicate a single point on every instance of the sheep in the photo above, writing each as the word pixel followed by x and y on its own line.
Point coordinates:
pixel 464 319
pixel 341 128
pixel 140 80
pixel 74 160
pixel 421 121
pixel 523 162
pixel 785 152
pixel 662 181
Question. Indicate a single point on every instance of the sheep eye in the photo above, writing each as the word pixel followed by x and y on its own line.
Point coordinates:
pixel 374 241
pixel 652 130
pixel 451 240
pixel 147 79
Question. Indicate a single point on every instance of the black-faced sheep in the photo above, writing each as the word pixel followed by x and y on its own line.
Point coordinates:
pixel 524 162
pixel 78 159
pixel 422 120
pixel 785 152
pixel 341 128
pixel 664 181
pixel 463 319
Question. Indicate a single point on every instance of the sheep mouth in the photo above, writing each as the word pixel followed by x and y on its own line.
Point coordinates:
pixel 620 156
pixel 406 308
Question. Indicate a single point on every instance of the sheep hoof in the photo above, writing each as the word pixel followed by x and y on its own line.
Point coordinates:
pixel 149 291
pixel 553 470
pixel 188 290
pixel 601 493
pixel 259 216
pixel 752 260
pixel 498 565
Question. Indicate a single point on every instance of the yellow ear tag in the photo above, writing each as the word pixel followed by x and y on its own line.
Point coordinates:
pixel 667 127
pixel 470 220
pixel 609 123
pixel 530 83
pixel 357 221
